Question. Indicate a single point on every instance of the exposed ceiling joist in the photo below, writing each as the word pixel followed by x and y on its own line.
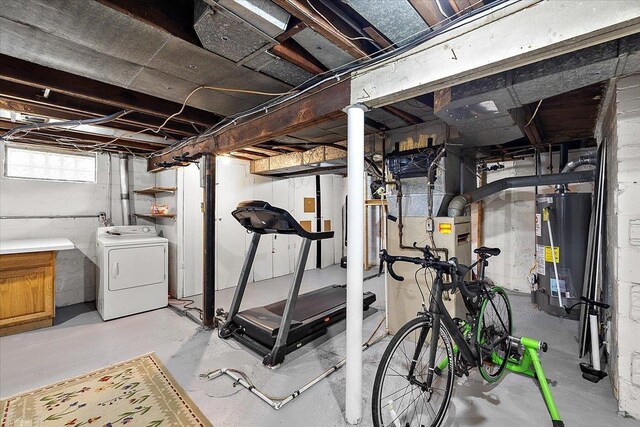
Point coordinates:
pixel 409 118
pixel 333 30
pixel 174 17
pixel 71 134
pixel 428 11
pixel 67 103
pixel 290 51
pixel 30 74
pixel 44 110
pixel 321 105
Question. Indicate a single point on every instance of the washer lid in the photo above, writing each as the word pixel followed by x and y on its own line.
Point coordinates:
pixel 131 239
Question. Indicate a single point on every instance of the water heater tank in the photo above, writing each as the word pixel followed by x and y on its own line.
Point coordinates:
pixel 568 216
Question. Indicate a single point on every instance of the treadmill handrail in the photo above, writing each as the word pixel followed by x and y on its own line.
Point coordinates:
pixel 260 217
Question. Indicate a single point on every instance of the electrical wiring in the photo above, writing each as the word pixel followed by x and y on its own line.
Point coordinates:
pixel 337 74
pixel 329 22
pixel 184 104
pixel 64 124
pixel 341 71
pixel 534 114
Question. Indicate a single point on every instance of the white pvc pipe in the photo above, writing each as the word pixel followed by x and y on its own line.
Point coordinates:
pixel 595 341
pixel 553 256
pixel 355 261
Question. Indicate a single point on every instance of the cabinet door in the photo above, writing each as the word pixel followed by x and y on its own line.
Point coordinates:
pixel 26 295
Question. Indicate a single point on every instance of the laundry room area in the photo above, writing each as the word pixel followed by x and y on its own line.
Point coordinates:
pixel 390 213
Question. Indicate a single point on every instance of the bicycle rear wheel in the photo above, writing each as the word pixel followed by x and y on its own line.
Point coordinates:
pixel 492 332
pixel 402 399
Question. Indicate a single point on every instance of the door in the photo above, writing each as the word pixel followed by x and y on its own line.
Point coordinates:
pixel 282 253
pixel 191 219
pixel 136 266
pixel 231 238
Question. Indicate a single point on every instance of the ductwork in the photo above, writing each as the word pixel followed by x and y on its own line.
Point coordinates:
pixel 583 160
pixel 124 189
pixel 458 203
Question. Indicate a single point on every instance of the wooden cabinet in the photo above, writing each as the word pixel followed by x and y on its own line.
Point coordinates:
pixel 26 291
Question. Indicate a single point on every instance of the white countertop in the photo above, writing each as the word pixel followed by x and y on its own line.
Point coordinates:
pixel 35 245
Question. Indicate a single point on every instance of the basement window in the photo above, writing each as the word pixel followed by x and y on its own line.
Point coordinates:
pixel 50 165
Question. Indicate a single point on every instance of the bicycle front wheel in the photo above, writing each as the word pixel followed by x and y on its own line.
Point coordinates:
pixel 492 334
pixel 403 393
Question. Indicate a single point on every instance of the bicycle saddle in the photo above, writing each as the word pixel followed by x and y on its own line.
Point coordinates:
pixel 487 251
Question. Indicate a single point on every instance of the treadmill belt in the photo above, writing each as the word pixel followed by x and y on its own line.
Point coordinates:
pixel 312 303
pixel 313 311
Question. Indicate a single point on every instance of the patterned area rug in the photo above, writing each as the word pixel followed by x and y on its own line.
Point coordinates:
pixel 139 392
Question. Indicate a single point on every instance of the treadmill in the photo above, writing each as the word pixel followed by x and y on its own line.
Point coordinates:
pixel 276 329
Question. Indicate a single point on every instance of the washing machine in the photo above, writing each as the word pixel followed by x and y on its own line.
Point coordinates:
pixel 132 270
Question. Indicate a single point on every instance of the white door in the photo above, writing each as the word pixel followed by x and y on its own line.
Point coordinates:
pixel 231 238
pixel 282 254
pixel 192 230
pixel 262 189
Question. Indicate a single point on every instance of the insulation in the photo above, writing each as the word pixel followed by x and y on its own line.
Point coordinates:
pixel 401 26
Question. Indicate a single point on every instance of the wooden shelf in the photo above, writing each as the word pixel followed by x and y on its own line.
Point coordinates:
pixel 150 215
pixel 152 191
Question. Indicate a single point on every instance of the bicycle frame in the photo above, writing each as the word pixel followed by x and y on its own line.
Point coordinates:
pixel 440 317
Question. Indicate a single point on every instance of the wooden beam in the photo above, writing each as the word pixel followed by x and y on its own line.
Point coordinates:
pixel 408 118
pixel 260 150
pixel 30 74
pixel 61 114
pixel 378 37
pixel 73 105
pixel 531 128
pixel 290 51
pixel 292 31
pixel 75 135
pixel 333 30
pixel 174 17
pixel 323 104
pixel 428 11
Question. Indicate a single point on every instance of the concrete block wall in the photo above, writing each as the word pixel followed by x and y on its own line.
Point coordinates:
pixel 75 269
pixel 509 225
pixel 623 246
pixel 509 221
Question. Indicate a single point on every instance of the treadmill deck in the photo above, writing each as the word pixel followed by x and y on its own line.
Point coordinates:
pixel 313 311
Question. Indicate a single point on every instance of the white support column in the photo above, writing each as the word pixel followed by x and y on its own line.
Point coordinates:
pixel 355 260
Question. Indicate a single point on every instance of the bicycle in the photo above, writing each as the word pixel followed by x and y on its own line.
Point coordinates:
pixel 420 362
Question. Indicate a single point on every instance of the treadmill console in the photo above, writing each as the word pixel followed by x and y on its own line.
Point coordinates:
pixel 262 218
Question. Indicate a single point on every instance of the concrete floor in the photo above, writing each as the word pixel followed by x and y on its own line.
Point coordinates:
pixel 81 342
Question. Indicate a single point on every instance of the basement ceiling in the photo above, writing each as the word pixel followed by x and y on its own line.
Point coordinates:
pixel 165 49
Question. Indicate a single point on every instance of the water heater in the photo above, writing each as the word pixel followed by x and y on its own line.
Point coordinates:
pixel 562 228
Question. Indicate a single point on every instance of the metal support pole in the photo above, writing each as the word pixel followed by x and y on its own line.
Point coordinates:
pixel 209 276
pixel 355 257
pixel 124 189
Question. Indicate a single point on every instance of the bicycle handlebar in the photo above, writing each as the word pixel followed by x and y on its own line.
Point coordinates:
pixel 452 267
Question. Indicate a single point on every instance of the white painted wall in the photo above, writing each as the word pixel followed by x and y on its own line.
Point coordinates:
pixel 623 173
pixel 75 269
pixel 509 225
pixel 509 221
pixel 276 254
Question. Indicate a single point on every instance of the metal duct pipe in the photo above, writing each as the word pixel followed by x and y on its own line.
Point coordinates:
pixel 124 189
pixel 583 160
pixel 458 203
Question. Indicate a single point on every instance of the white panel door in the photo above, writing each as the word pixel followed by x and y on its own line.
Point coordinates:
pixel 262 189
pixel 282 254
pixel 192 230
pixel 304 187
pixel 231 237
pixel 326 194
